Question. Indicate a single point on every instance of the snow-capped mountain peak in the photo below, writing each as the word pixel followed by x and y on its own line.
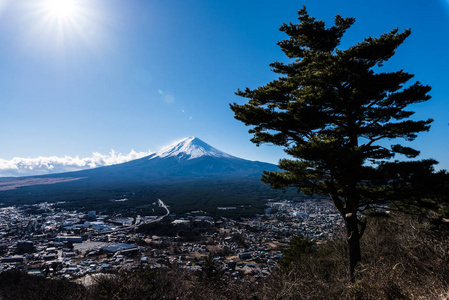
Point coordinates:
pixel 189 148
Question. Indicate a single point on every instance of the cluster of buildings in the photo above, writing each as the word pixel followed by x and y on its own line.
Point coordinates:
pixel 56 243
pixel 316 220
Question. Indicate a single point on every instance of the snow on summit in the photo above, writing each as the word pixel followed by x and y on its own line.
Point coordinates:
pixel 190 148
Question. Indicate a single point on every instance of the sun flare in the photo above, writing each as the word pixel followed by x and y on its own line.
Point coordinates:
pixel 61 9
pixel 63 25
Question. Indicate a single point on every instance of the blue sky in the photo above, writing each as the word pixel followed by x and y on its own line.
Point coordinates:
pixel 139 74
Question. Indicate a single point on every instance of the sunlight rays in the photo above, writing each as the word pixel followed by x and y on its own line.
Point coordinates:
pixel 63 25
pixel 62 9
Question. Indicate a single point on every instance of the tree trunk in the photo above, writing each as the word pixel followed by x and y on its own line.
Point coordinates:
pixel 348 209
pixel 353 233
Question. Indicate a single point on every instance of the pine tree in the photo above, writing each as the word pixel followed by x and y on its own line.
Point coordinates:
pixel 329 110
pixel 299 246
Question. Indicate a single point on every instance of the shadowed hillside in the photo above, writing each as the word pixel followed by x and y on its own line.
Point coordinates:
pixel 189 175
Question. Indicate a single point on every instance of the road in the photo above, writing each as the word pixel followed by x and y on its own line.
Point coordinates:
pixel 162 204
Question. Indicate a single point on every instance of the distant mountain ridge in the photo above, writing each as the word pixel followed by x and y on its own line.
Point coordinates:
pixel 188 175
pixel 190 158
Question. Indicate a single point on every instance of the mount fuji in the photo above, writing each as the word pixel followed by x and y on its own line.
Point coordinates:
pixel 190 158
pixel 188 173
pixel 190 148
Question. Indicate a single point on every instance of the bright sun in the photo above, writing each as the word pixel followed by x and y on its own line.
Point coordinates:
pixel 61 9
pixel 61 22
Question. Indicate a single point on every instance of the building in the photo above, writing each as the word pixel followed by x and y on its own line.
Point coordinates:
pixel 69 238
pixel 122 248
pixel 245 255
pixel 13 259
pixel 25 246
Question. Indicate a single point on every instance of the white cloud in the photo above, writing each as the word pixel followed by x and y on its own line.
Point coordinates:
pixel 19 166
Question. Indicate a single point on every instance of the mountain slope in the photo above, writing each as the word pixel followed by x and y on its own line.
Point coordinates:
pixel 188 159
pixel 190 148
pixel 189 174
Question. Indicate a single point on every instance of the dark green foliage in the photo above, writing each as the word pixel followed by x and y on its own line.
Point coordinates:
pixel 411 186
pixel 211 272
pixel 412 181
pixel 329 110
pixel 186 232
pixel 139 285
pixel 297 248
pixel 16 285
pixel 198 194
